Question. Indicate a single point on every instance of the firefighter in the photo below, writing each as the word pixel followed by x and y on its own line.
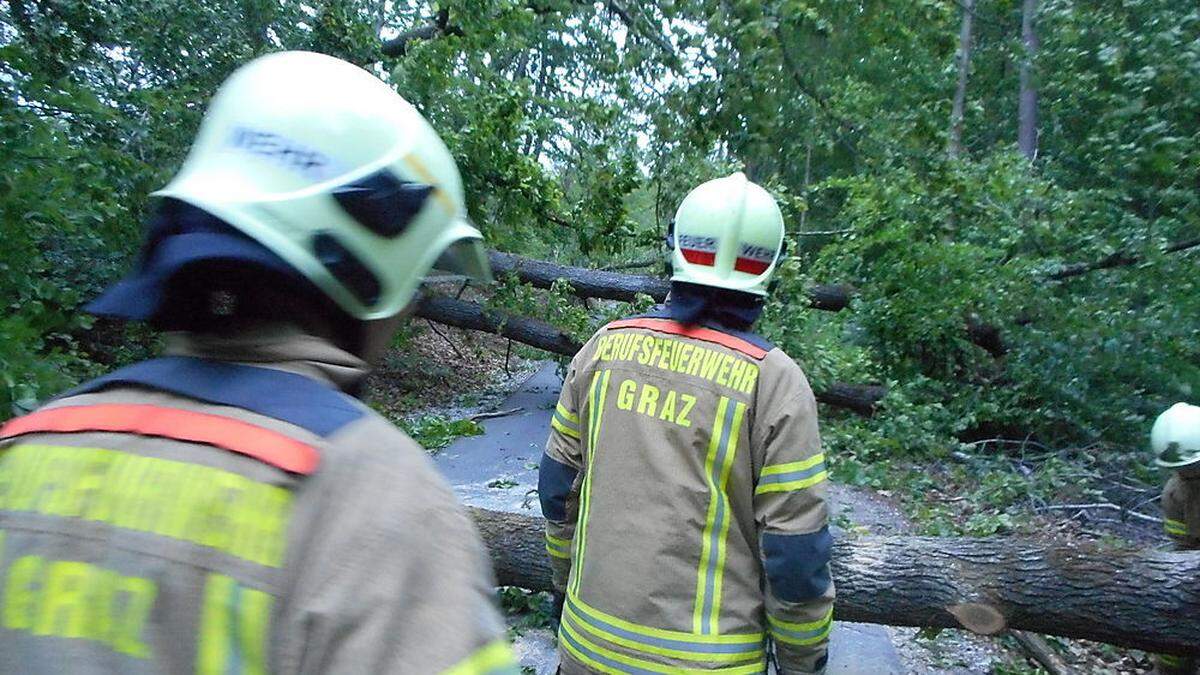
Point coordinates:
pixel 1175 439
pixel 231 507
pixel 683 483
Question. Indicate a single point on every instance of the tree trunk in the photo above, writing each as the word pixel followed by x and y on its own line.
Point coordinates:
pixel 471 316
pixel 1027 112
pixel 1142 599
pixel 860 398
pixel 964 69
pixel 591 283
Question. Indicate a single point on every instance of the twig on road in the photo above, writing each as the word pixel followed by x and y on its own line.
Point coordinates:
pixel 497 413
pixel 1102 506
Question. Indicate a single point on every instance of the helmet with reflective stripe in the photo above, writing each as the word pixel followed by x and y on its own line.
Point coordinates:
pixel 329 168
pixel 1175 437
pixel 728 234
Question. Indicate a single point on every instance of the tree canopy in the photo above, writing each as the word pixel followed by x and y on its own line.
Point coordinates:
pixel 579 126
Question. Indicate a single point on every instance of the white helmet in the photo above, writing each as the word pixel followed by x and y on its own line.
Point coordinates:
pixel 328 167
pixel 1175 437
pixel 728 234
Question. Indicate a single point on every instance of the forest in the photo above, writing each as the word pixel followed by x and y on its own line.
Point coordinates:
pixel 992 206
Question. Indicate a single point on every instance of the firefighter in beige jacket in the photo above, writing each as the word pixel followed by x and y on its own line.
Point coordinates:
pixel 683 482
pixel 231 507
pixel 1175 439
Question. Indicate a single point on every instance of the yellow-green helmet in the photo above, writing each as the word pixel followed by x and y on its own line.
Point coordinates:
pixel 728 234
pixel 1175 437
pixel 330 169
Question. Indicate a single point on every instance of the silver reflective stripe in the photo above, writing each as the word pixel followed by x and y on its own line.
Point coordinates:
pixel 592 655
pixel 716 528
pixel 794 475
pixel 594 623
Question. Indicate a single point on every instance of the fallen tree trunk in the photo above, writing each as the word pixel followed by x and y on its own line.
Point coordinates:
pixel 472 316
pixel 861 398
pixel 592 283
pixel 609 285
pixel 1142 599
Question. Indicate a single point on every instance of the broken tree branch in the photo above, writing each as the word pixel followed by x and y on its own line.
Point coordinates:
pixel 1131 598
pixel 1116 259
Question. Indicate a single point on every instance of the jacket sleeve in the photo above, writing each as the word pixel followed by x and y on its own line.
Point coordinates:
pixel 793 529
pixel 394 579
pixel 558 479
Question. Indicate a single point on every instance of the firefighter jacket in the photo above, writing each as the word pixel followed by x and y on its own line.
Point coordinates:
pixel 227 509
pixel 1181 520
pixel 1181 511
pixel 684 490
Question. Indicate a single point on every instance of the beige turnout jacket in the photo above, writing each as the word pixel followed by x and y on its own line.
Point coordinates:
pixel 227 509
pixel 684 489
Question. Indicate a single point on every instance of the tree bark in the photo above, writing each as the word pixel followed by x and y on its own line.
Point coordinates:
pixel 472 316
pixel 1141 599
pixel 1027 111
pixel 964 69
pixel 591 283
pixel 860 398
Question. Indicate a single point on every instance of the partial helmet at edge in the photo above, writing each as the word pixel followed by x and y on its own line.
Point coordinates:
pixel 1175 437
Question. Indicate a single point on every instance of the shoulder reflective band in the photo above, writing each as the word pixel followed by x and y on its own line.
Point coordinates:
pixel 243 438
pixel 695 332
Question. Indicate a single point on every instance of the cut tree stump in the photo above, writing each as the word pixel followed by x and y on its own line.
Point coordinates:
pixel 1132 598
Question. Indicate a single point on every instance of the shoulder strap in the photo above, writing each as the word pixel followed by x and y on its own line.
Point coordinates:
pixel 280 395
pixel 755 348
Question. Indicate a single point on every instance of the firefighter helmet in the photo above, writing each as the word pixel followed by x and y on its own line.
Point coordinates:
pixel 1176 436
pixel 328 167
pixel 728 233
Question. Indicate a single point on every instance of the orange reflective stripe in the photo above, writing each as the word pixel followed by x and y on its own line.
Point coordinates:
pixel 243 438
pixel 697 332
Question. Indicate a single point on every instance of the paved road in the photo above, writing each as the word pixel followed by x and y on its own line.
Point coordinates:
pixel 498 470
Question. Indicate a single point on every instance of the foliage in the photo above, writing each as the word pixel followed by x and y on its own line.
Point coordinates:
pixel 578 128
pixel 434 432
pixel 532 609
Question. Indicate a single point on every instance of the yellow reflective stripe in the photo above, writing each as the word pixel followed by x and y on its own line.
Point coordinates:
pixel 793 466
pixel 254 618
pixel 743 638
pixel 559 548
pixel 596 400
pixel 726 468
pixel 802 634
pixel 573 433
pixel 606 660
pixel 496 657
pixel 583 623
pixel 802 627
pixel 792 485
pixel 570 417
pixel 234 627
pixel 714 446
pixel 1175 527
pixel 212 653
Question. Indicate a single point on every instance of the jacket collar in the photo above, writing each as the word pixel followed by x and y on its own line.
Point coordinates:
pixel 282 347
